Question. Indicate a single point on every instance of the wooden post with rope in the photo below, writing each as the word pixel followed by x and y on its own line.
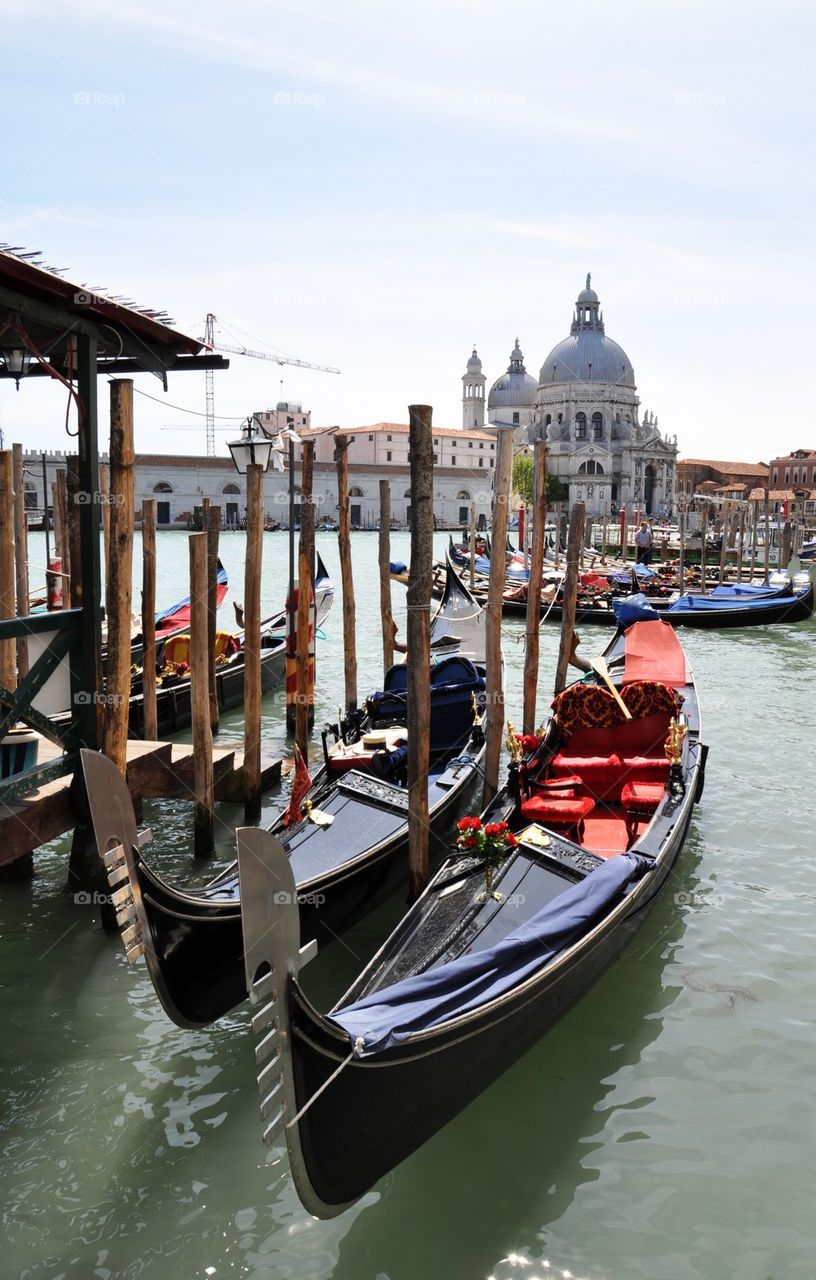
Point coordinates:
pixel 494 691
pixel 203 788
pixel 539 516
pixel 384 550
pixel 252 643
pixel 346 575
pixel 418 658
pixel 8 608
pixel 120 574
pixel 20 554
pixel 576 533
pixel 150 724
pixel 304 711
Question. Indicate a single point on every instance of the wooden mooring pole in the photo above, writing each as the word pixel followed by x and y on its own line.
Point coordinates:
pixel 681 577
pixel 252 644
pixel 120 574
pixel 767 535
pixel 20 554
pixel 385 575
pixel 418 658
pixel 203 790
pixel 75 499
pixel 212 528
pixel 472 545
pixel 754 536
pixel 304 712
pixel 741 543
pixel 785 546
pixel 494 690
pixel 576 533
pixel 346 575
pixel 539 517
pixel 59 500
pixel 8 608
pixel 150 724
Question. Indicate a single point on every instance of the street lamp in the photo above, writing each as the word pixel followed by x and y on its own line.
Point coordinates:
pixel 17 362
pixel 252 447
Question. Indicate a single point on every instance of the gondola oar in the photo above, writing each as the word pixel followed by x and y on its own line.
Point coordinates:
pixel 600 668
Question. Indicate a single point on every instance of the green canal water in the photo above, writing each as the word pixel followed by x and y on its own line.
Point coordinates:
pixel 665 1130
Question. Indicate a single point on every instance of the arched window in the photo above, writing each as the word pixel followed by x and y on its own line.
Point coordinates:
pixel 356 492
pixel 30 497
pixel 597 426
pixel 463 495
pixel 407 493
pixel 591 468
pixel 580 426
pixel 162 487
pixel 231 488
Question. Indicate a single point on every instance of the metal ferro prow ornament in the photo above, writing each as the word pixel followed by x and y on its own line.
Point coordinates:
pixel 674 742
pixel 514 747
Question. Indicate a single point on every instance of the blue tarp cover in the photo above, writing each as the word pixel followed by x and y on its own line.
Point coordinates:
pixel 686 604
pixel 426 1000
pixel 634 608
pixel 734 590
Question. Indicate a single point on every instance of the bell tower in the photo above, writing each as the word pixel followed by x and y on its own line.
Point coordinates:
pixel 473 394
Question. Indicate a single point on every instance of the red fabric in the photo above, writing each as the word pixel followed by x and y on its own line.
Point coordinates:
pixel 653 652
pixel 600 775
pixel 630 738
pixel 651 765
pixel 642 795
pixel 551 810
pixel 300 786
pixel 605 832
pixel 595 580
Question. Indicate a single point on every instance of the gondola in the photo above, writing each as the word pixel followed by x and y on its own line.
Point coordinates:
pixel 723 609
pixel 476 972
pixel 193 940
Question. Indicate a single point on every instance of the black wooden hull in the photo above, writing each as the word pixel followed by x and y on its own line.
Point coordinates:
pixel 377 1107
pixel 195 949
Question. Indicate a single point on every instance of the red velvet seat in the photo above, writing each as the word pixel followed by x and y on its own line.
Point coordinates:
pixel 639 800
pixel 557 811
pixel 601 776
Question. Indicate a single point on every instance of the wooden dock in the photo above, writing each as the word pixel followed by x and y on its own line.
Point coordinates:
pixel 154 770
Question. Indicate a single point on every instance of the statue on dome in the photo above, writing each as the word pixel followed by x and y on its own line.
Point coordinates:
pixel 589 279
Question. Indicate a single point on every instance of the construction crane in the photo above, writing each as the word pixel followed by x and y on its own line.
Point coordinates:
pixel 209 340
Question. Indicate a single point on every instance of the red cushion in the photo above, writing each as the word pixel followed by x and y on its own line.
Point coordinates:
pixel 600 775
pixel 564 812
pixel 642 795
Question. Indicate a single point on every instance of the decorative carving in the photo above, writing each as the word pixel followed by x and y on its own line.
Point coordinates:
pixel 364 787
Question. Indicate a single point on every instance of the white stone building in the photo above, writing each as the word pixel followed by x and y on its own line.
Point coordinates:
pixel 585 404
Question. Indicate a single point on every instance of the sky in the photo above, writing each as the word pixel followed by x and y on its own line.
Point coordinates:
pixel 378 187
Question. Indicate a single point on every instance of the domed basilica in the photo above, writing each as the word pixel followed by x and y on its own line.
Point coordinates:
pixel 585 405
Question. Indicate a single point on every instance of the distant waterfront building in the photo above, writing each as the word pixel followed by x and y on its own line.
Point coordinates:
pixel 721 479
pixel 792 482
pixel 473 394
pixel 512 397
pixel 585 405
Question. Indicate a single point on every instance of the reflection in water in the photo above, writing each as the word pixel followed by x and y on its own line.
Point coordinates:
pixel 513 1161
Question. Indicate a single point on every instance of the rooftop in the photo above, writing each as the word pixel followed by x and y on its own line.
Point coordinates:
pixel 727 468
pixel 399 427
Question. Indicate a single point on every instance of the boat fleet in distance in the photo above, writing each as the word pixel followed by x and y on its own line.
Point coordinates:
pixel 617 593
pixel 531 904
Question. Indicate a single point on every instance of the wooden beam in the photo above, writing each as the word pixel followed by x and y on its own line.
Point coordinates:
pixel 533 621
pixel 346 574
pixel 150 726
pixel 203 793
pixel 88 717
pixel 212 527
pixel 494 692
pixel 74 500
pixel 8 605
pixel 384 550
pixel 418 658
pixel 120 570
pixel 20 554
pixel 304 708
pixel 574 539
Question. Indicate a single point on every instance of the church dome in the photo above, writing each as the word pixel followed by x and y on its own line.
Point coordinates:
pixel 474 364
pixel 515 389
pixel 587 355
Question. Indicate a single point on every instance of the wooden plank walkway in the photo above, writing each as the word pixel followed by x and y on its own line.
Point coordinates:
pixel 154 770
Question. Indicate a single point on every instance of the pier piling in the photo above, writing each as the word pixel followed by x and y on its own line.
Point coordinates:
pixel 150 725
pixel 576 533
pixel 203 787
pixel 494 692
pixel 120 575
pixel 252 644
pixel 418 658
pixel 385 575
pixel 539 518
pixel 346 575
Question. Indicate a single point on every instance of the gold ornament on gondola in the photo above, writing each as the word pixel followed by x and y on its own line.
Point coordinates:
pixel 477 710
pixel 674 742
pixel 514 748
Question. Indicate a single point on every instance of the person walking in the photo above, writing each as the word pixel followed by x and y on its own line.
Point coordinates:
pixel 643 544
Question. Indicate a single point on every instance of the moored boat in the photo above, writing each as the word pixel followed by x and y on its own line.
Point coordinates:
pixel 480 967
pixel 343 852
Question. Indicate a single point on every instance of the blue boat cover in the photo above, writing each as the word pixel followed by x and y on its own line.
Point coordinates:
pixel 687 604
pixel 736 590
pixel 634 608
pixel 393 1014
pixel 397 566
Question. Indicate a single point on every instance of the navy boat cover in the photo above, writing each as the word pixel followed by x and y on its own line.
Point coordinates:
pixel 395 1013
